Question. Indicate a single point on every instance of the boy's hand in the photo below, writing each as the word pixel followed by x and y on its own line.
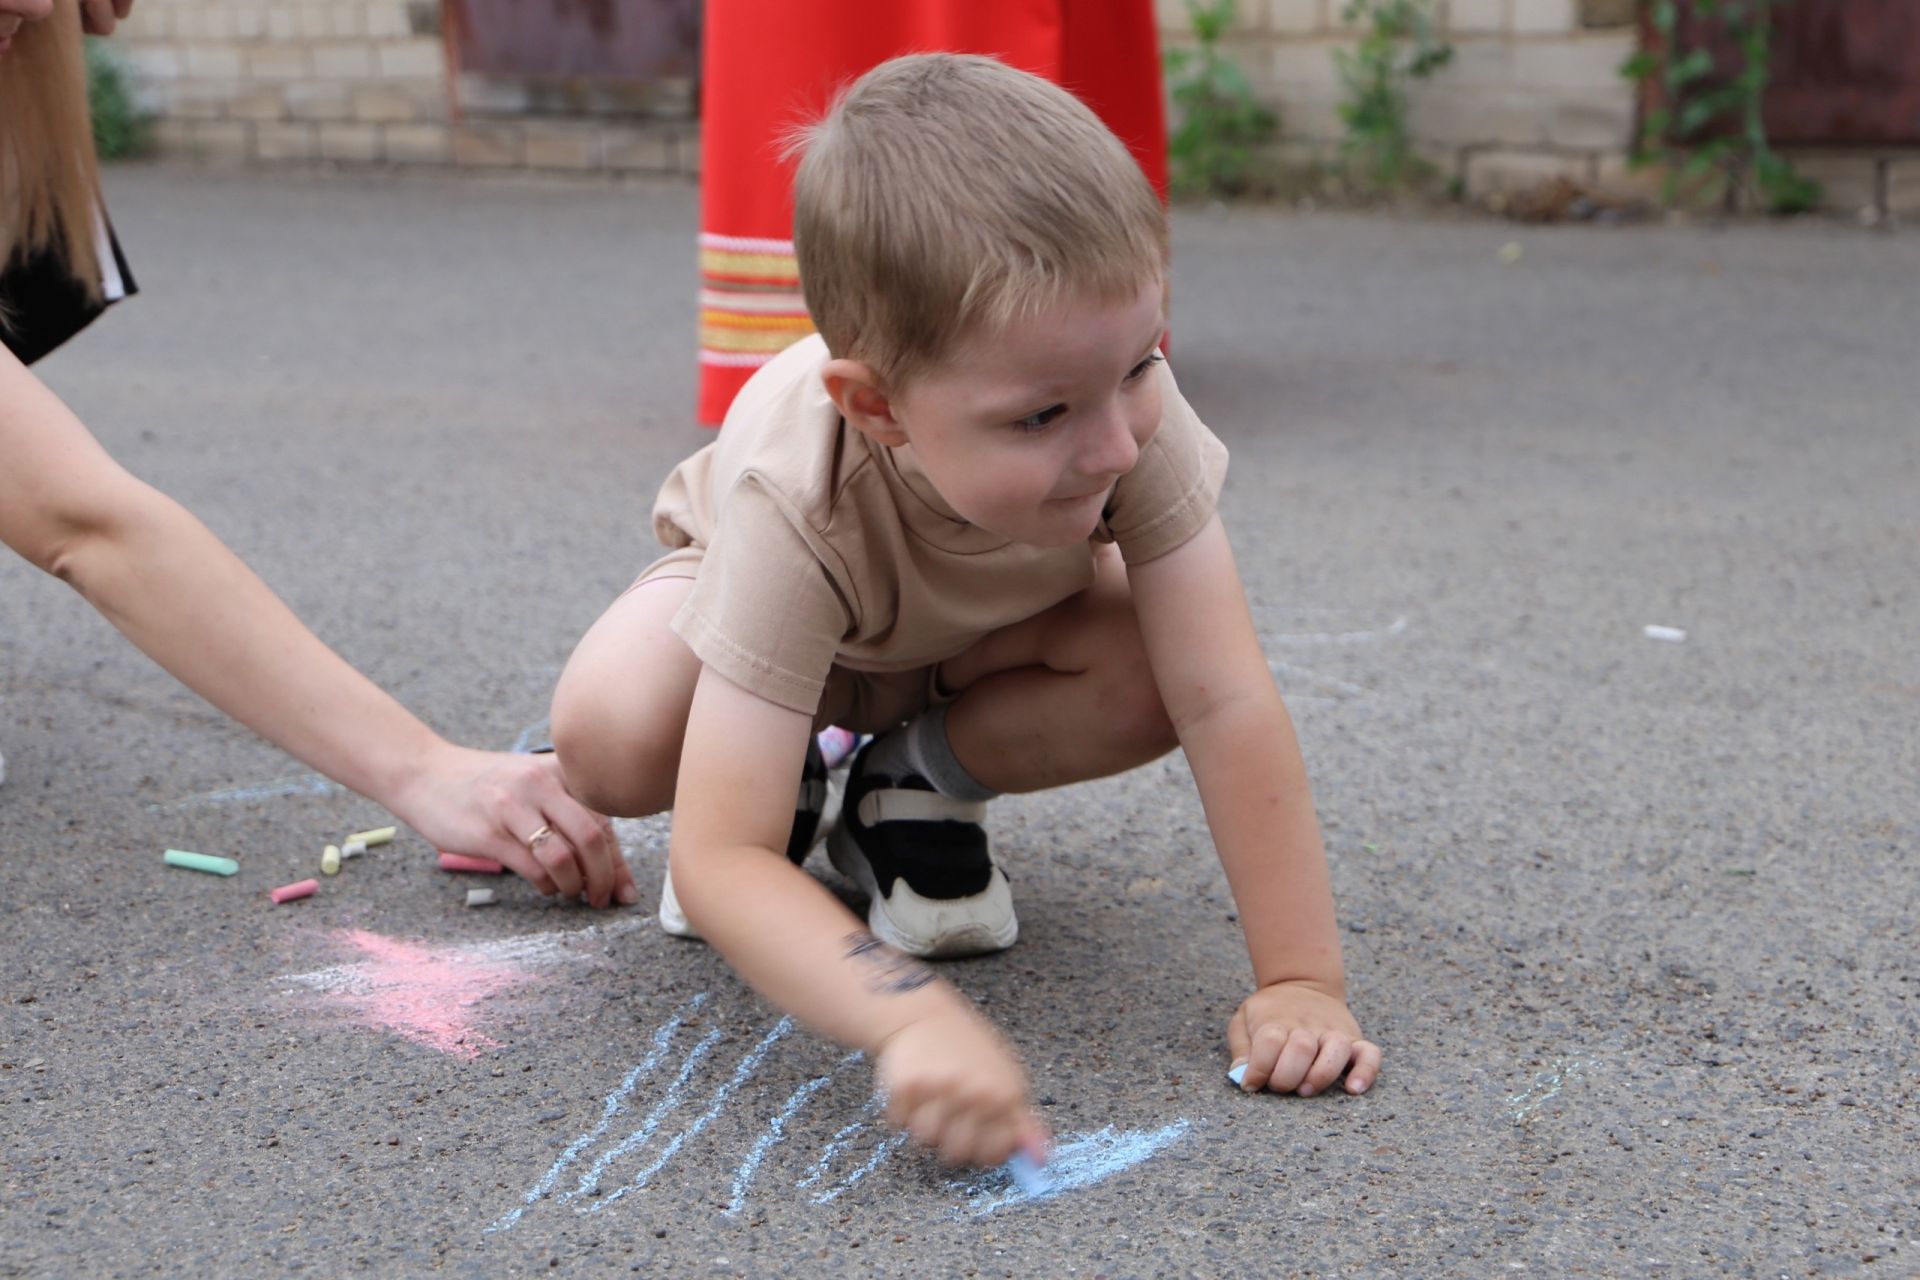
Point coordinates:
pixel 952 1082
pixel 1294 1038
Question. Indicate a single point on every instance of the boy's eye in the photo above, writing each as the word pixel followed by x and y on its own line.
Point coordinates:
pixel 1038 421
pixel 1134 373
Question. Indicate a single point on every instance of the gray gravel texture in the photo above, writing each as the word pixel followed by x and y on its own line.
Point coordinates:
pixel 1633 919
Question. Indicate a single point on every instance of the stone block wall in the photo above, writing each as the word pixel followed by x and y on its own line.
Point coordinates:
pixel 356 81
pixel 1533 92
pixel 1533 89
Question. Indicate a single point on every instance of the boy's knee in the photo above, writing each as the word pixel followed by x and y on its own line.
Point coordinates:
pixel 603 767
pixel 1141 723
pixel 1137 718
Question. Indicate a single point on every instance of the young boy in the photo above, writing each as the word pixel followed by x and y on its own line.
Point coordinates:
pixel 974 517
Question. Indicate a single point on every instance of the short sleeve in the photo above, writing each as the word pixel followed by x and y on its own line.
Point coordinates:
pixel 1173 489
pixel 764 611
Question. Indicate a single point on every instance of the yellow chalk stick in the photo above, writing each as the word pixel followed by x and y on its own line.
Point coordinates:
pixel 330 861
pixel 379 835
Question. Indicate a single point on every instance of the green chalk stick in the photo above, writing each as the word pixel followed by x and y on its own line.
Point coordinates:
pixel 200 862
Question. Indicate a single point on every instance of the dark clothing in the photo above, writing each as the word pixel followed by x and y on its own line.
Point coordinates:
pixel 42 304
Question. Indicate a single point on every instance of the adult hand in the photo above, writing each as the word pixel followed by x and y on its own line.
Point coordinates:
pixel 1295 1038
pixel 99 17
pixel 491 804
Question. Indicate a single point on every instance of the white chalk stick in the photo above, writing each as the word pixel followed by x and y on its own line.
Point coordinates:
pixel 353 848
pixel 480 898
pixel 1673 635
pixel 1238 1075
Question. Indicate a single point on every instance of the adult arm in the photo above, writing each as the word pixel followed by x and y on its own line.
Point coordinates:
pixel 172 588
pixel 1295 1032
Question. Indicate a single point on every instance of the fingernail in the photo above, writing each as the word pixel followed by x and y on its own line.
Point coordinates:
pixel 628 895
pixel 1306 1091
pixel 1238 1073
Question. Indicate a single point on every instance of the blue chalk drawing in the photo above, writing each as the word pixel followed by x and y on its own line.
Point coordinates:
pixel 743 1176
pixel 298 784
pixel 1546 1086
pixel 835 1145
pixel 881 1154
pixel 720 1095
pixel 1078 1161
pixel 616 1103
pixel 590 1180
pixel 530 734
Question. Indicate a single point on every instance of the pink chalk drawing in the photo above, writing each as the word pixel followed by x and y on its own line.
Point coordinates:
pixel 434 996
pixel 429 995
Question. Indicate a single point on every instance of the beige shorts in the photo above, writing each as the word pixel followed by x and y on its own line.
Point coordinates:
pixel 863 701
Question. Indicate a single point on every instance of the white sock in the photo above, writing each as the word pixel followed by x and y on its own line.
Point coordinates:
pixel 921 748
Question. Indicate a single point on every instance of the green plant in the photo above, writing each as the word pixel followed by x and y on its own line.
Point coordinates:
pixel 1707 128
pixel 118 127
pixel 1213 149
pixel 1398 44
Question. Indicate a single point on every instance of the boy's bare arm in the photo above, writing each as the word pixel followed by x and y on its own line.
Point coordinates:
pixel 951 1079
pixel 1239 740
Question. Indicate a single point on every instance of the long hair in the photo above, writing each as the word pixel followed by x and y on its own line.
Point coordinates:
pixel 49 175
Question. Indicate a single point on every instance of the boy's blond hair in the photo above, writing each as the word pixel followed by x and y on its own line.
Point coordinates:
pixel 945 194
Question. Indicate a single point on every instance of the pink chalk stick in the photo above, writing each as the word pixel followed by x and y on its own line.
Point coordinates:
pixel 461 862
pixel 293 892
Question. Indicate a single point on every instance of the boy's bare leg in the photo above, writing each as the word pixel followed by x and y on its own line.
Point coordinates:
pixel 620 708
pixel 1066 696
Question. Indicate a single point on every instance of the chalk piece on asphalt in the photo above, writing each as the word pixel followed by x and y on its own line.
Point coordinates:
pixel 1511 252
pixel 1238 1074
pixel 1028 1175
pixel 330 860
pixel 480 898
pixel 1673 635
pixel 379 835
pixel 352 849
pixel 294 892
pixel 461 862
pixel 200 862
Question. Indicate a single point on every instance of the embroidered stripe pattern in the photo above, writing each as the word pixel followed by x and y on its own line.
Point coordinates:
pixel 750 304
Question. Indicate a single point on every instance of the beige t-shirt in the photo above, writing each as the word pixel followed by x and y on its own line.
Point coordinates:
pixel 821 547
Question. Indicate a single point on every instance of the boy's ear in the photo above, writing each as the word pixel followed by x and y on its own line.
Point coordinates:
pixel 856 391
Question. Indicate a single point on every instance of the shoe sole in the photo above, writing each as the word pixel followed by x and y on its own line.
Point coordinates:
pixel 929 928
pixel 674 922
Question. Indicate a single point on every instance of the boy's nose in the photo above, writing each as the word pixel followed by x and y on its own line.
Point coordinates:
pixel 1115 448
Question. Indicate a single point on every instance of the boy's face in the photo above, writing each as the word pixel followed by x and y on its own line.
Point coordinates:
pixel 1024 430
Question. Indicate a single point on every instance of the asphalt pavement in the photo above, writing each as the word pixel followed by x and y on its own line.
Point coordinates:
pixel 1632 915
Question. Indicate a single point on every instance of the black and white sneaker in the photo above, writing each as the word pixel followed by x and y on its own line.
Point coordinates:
pixel 814 811
pixel 925 861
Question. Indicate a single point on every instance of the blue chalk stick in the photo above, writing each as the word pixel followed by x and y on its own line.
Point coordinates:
pixel 1028 1175
pixel 1238 1074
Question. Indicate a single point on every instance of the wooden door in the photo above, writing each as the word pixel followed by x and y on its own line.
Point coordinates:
pixel 1845 72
